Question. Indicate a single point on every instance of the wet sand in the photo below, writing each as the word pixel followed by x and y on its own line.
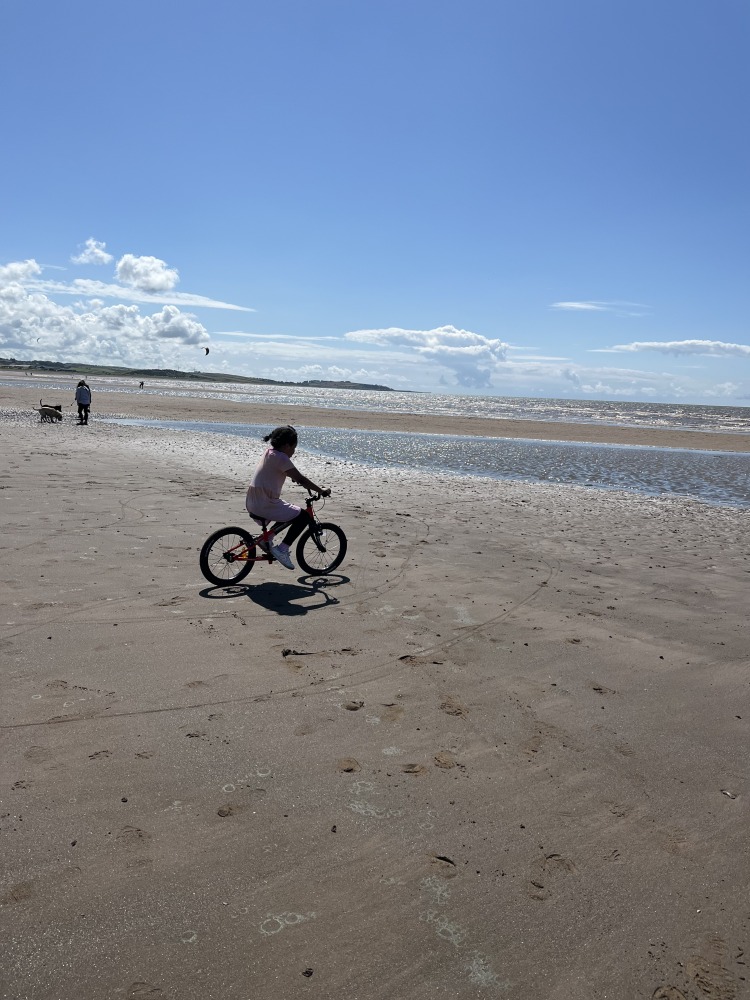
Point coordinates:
pixel 502 752
pixel 158 407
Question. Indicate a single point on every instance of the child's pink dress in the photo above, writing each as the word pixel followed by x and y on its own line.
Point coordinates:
pixel 263 494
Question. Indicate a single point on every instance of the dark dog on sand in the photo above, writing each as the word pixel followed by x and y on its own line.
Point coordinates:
pixel 48 413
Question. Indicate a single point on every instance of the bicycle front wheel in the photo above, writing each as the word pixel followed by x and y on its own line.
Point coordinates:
pixel 227 556
pixel 321 549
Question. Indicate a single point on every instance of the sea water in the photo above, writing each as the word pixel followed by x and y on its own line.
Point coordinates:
pixel 675 416
pixel 712 477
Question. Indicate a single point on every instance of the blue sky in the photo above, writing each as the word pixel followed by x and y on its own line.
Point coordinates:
pixel 545 199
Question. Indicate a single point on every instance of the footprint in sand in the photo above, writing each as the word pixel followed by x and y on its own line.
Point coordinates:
pixel 139 863
pixel 444 760
pixel 676 841
pixel 552 866
pixel 17 894
pixel 294 665
pixel 132 835
pixel 619 810
pixel 414 769
pixel 708 972
pixel 348 765
pixel 452 706
pixel 538 890
pixel 533 744
pixel 443 865
pixel 558 863
pixel 250 796
pixel 143 990
pixel 392 711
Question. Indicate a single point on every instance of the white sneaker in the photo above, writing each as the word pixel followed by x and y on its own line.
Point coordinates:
pixel 283 556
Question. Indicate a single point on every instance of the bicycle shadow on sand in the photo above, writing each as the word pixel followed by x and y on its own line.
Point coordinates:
pixel 282 598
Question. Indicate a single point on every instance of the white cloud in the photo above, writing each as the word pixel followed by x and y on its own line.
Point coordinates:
pixel 724 390
pixel 16 273
pixel 539 357
pixel 593 305
pixel 276 336
pixel 605 390
pixel 94 252
pixel 621 381
pixel 263 357
pixel 171 324
pixel 329 373
pixel 87 288
pixel 147 323
pixel 150 274
pixel 32 325
pixel 478 363
pixel 579 306
pixel 471 357
pixel 713 348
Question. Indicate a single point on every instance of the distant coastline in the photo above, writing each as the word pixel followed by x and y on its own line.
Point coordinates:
pixel 51 367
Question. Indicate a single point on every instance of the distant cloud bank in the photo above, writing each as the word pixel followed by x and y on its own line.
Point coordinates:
pixel 138 319
pixel 715 348
pixel 34 325
pixel 471 357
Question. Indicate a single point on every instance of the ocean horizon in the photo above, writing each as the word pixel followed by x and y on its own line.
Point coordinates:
pixel 617 413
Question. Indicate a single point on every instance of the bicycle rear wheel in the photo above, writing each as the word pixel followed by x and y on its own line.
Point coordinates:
pixel 321 549
pixel 227 556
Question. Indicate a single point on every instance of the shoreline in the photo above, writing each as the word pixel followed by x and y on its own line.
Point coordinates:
pixel 213 410
pixel 211 450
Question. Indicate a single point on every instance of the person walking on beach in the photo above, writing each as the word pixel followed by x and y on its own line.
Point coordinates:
pixel 264 493
pixel 83 398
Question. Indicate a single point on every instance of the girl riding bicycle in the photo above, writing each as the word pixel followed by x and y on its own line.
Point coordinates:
pixel 264 493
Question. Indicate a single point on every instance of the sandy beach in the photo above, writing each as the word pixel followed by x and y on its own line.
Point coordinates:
pixel 501 752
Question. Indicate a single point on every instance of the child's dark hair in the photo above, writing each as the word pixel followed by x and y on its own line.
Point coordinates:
pixel 281 436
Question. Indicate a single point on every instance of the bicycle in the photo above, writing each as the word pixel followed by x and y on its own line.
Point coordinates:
pixel 229 554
